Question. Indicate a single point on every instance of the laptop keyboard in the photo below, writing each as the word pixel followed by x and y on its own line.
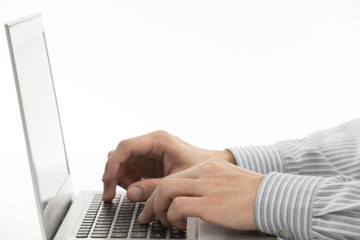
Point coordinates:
pixel 119 219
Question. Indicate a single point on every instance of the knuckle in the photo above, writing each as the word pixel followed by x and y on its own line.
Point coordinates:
pixel 209 166
pixel 161 133
pixel 177 204
pixel 160 139
pixel 123 143
pixel 109 154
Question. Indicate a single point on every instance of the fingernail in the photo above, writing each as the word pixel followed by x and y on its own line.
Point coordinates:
pixel 141 216
pixel 135 194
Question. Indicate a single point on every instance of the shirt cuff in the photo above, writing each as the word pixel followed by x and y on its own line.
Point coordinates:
pixel 260 159
pixel 284 205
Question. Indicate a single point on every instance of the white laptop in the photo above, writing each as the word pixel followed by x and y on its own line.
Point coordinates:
pixel 62 215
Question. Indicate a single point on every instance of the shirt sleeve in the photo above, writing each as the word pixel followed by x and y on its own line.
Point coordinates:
pixel 330 152
pixel 308 207
pixel 312 185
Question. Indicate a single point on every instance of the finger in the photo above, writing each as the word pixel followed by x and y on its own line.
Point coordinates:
pixel 110 181
pixel 123 181
pixel 109 190
pixel 151 144
pixel 182 207
pixel 112 170
pixel 140 191
pixel 168 189
pixel 148 214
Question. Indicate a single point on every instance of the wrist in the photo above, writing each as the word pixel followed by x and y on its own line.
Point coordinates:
pixel 228 156
pixel 225 154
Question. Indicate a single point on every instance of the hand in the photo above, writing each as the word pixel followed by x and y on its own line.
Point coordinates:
pixel 216 191
pixel 138 164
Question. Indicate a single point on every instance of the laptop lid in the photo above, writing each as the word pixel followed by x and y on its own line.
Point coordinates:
pixel 41 122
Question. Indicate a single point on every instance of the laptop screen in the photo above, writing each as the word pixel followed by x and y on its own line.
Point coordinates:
pixel 40 113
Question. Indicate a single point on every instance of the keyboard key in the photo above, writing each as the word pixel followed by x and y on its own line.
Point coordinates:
pixel 82 235
pixel 139 230
pixel 84 229
pixel 100 231
pixel 119 235
pixel 88 220
pixel 140 225
pixel 157 226
pixel 99 236
pixel 102 226
pixel 125 225
pixel 177 235
pixel 158 234
pixel 106 218
pixel 126 211
pixel 123 215
pixel 120 230
pixel 91 215
pixel 86 224
pixel 138 235
pixel 92 212
pixel 121 227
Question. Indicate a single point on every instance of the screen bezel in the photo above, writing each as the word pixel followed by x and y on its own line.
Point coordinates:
pixel 50 218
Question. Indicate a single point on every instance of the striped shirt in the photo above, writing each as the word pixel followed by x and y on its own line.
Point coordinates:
pixel 311 188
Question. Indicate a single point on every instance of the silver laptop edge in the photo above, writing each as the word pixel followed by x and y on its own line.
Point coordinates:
pixel 50 219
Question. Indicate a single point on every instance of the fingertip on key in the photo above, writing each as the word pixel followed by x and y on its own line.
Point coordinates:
pixel 135 194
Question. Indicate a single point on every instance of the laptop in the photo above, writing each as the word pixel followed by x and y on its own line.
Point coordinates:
pixel 62 215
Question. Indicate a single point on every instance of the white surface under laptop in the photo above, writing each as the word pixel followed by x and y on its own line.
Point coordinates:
pixel 60 212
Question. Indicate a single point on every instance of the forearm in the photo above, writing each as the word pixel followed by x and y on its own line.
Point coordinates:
pixel 324 153
pixel 319 205
pixel 307 207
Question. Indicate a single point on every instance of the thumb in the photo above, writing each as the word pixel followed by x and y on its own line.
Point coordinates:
pixel 140 191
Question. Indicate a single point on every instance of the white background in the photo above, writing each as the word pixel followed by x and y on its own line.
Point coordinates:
pixel 215 73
